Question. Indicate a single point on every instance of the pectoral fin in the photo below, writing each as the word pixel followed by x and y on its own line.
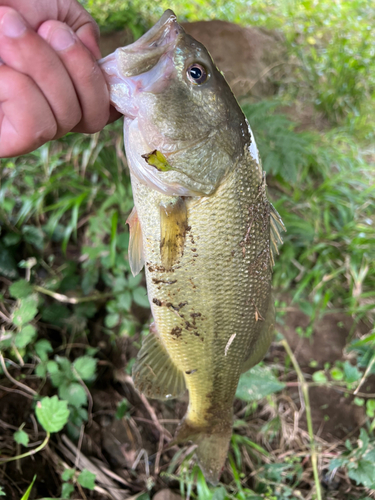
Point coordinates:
pixel 173 225
pixel 136 257
pixel 154 373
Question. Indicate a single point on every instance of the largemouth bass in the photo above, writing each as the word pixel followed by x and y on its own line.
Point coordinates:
pixel 201 225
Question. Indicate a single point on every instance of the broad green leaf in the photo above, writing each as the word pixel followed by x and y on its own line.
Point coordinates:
pixel 127 328
pixel 140 297
pixel 111 320
pixel 52 413
pixel 20 289
pixel 66 490
pixel 352 374
pixel 42 348
pixel 363 440
pixel 257 383
pixel 85 367
pixel 124 301
pixel 86 310
pixel 41 370
pixel 219 493
pixel 2 492
pixel 358 401
pixel 90 279
pixel 133 281
pixel 21 437
pixel 363 474
pixel 28 491
pixel 319 377
pixel 78 415
pixel 87 479
pixel 55 314
pixel 65 365
pixel 26 311
pixel 58 377
pixel 74 394
pixel 337 373
pixel 120 284
pixel 67 474
pixel 25 336
pixel 34 236
pixel 11 239
pixel 52 367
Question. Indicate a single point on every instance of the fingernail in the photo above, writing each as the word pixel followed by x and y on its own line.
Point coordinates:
pixel 62 39
pixel 12 25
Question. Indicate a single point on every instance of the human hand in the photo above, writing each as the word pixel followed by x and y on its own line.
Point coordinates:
pixel 50 82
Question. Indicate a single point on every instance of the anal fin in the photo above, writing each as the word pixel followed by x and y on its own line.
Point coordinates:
pixel 154 372
pixel 136 256
pixel 173 224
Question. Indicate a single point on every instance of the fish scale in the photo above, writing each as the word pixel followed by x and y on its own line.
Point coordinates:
pixel 214 271
pixel 202 227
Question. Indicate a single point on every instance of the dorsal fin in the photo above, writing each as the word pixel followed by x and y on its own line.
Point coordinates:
pixel 154 372
pixel 135 251
pixel 276 226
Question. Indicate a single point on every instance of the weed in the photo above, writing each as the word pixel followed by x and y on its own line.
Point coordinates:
pixel 358 461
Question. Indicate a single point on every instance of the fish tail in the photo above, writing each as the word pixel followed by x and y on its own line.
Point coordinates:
pixel 212 449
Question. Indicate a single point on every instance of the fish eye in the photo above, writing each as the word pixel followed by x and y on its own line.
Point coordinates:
pixel 197 74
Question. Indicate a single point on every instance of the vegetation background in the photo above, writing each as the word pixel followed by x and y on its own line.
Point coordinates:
pixel 72 316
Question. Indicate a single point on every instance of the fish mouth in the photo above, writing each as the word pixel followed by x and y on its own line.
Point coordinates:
pixel 165 31
pixel 142 55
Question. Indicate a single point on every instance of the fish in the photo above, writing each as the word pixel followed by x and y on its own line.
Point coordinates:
pixel 202 227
